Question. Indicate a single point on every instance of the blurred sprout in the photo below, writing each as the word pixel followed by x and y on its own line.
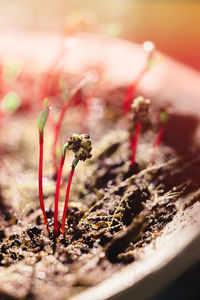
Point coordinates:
pixel 12 70
pixel 113 29
pixel 154 58
pixel 63 86
pixel 164 116
pixel 11 102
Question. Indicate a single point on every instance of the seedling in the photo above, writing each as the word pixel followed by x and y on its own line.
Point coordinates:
pixel 66 106
pixel 139 108
pixel 65 46
pixel 149 47
pixel 47 77
pixel 81 146
pixel 162 124
pixel 42 119
pixel 163 118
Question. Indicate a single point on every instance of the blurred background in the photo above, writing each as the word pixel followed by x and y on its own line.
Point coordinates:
pixel 174 25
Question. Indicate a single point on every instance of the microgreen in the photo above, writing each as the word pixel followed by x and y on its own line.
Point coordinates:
pixel 42 119
pixel 44 84
pixel 66 106
pixel 149 48
pixel 139 108
pixel 164 116
pixel 81 146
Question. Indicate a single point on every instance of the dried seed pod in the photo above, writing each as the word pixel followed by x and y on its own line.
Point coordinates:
pixel 81 145
pixel 140 108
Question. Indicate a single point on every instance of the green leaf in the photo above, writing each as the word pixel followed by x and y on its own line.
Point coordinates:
pixel 164 116
pixel 43 115
pixel 75 163
pixel 64 147
pixel 155 61
pixel 11 102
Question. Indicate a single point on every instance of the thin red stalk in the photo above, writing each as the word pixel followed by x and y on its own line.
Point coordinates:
pixel 159 136
pixel 41 195
pixel 131 90
pixel 48 75
pixel 66 200
pixel 134 142
pixel 56 132
pixel 56 224
pixel 61 117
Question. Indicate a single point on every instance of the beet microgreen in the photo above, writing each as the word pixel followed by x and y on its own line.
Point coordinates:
pixel 42 119
pixel 81 146
pixel 139 108
pixel 44 84
pixel 149 47
pixel 162 124
pixel 66 106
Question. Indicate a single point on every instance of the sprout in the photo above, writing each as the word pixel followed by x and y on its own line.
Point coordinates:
pixel 163 118
pixel 81 146
pixel 42 119
pixel 71 99
pixel 150 48
pixel 151 60
pixel 139 108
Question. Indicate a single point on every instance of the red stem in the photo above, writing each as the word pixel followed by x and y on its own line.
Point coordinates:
pixel 158 141
pixel 48 75
pixel 56 224
pixel 66 200
pixel 41 195
pixel 56 132
pixel 134 142
pixel 86 110
pixel 159 136
pixel 131 90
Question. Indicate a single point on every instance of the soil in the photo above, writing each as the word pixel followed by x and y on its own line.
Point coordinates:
pixel 115 209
